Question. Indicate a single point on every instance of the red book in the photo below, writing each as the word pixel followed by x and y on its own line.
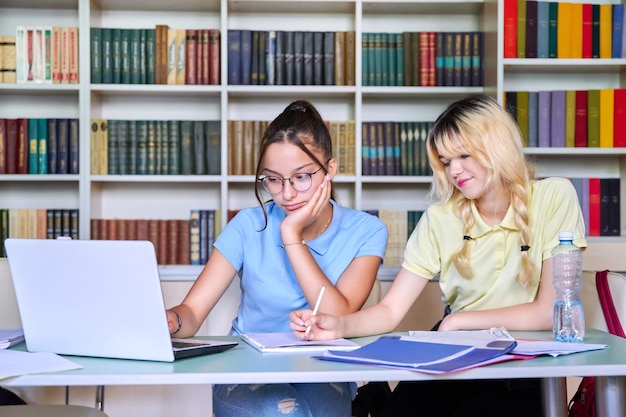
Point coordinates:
pixel 204 65
pixel 594 207
pixel 214 57
pixel 172 242
pixel 131 229
pixel 3 146
pixel 510 28
pixel 111 229
pixel 580 129
pixel 432 57
pixel 184 243
pixel 619 117
pixel 163 242
pixel 191 62
pixel 142 229
pixel 153 236
pixel 587 30
pixel 423 59
pixel 11 126
pixel 22 146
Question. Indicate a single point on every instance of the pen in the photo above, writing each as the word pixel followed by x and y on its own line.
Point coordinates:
pixel 317 306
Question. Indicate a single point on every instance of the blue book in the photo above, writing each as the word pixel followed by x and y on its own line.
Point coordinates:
pixel 543 33
pixel 557 120
pixel 33 146
pixel 617 30
pixel 544 109
pixel 234 57
pixel 246 57
pixel 429 356
pixel 533 117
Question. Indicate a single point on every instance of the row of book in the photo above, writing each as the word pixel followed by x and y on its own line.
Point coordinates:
pixel 176 241
pixel 26 223
pixel 600 202
pixel 290 57
pixel 570 118
pixel 423 59
pixel 162 55
pixel 395 148
pixel 155 147
pixel 39 146
pixel 550 29
pixel 400 224
pixel 44 54
pixel 7 59
pixel 245 138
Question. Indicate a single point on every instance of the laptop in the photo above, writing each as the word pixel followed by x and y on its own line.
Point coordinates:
pixel 98 298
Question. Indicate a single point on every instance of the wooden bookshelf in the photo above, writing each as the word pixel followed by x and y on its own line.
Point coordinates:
pixel 173 196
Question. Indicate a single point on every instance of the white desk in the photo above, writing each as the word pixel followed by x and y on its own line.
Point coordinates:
pixel 243 364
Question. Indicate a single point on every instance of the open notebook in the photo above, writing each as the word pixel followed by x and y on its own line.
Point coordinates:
pixel 98 298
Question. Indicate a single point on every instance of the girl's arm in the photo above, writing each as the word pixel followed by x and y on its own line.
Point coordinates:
pixel 380 318
pixel 536 315
pixel 206 291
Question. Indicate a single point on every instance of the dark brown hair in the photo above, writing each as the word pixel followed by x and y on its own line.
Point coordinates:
pixel 299 124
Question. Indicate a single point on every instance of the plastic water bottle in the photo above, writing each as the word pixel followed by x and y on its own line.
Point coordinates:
pixel 569 318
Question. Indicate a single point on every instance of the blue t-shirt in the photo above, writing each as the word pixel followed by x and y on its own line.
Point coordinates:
pixel 269 288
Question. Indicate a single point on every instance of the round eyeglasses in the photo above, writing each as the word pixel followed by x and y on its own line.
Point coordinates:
pixel 301 181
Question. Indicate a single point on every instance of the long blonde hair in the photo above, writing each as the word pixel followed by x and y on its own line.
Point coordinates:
pixel 478 126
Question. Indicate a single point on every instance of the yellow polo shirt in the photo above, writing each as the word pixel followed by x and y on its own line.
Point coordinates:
pixel 495 250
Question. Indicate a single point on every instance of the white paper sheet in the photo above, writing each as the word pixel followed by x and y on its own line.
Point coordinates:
pixel 15 363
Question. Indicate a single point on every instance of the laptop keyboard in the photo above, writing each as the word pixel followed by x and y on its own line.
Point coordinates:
pixel 181 345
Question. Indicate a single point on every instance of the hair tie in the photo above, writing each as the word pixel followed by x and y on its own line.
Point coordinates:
pixel 466 237
pixel 297 107
pixel 525 248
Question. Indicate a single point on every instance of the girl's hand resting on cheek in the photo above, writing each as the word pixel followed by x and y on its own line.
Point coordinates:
pixel 323 326
pixel 312 210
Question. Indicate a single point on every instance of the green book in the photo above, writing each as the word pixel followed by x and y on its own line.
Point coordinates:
pixel 157 146
pixel 73 143
pixel 379 58
pixel 52 147
pixel 521 29
pixel 522 115
pixel 107 53
pixel 570 118
pixel 595 31
pixel 174 147
pixel 116 56
pixel 132 148
pixel 593 119
pixel 407 58
pixel 163 167
pixel 199 148
pixel 399 59
pixel 123 144
pixel 125 57
pixel 135 56
pixel 4 230
pixel 153 157
pixel 553 13
pixel 95 35
pixel 213 131
pixel 150 55
pixel 42 146
pixel 143 74
pixel 33 147
pixel 142 147
pixel 391 59
pixel 113 142
pixel 403 148
pixel 186 147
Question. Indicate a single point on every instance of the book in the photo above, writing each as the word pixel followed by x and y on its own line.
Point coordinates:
pixel 10 337
pixel 580 129
pixel 606 118
pixel 459 351
pixel 287 342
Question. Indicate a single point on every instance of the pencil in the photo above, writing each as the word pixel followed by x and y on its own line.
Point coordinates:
pixel 317 307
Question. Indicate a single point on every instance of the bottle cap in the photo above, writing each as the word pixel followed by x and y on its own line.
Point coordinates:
pixel 566 236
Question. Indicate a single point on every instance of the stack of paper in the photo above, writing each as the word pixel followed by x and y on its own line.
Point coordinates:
pixel 287 342
pixel 10 337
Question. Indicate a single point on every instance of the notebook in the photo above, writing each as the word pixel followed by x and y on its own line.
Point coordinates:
pixel 99 298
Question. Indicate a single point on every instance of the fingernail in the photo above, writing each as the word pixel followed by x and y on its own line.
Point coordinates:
pixel 323 185
pixel 327 177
